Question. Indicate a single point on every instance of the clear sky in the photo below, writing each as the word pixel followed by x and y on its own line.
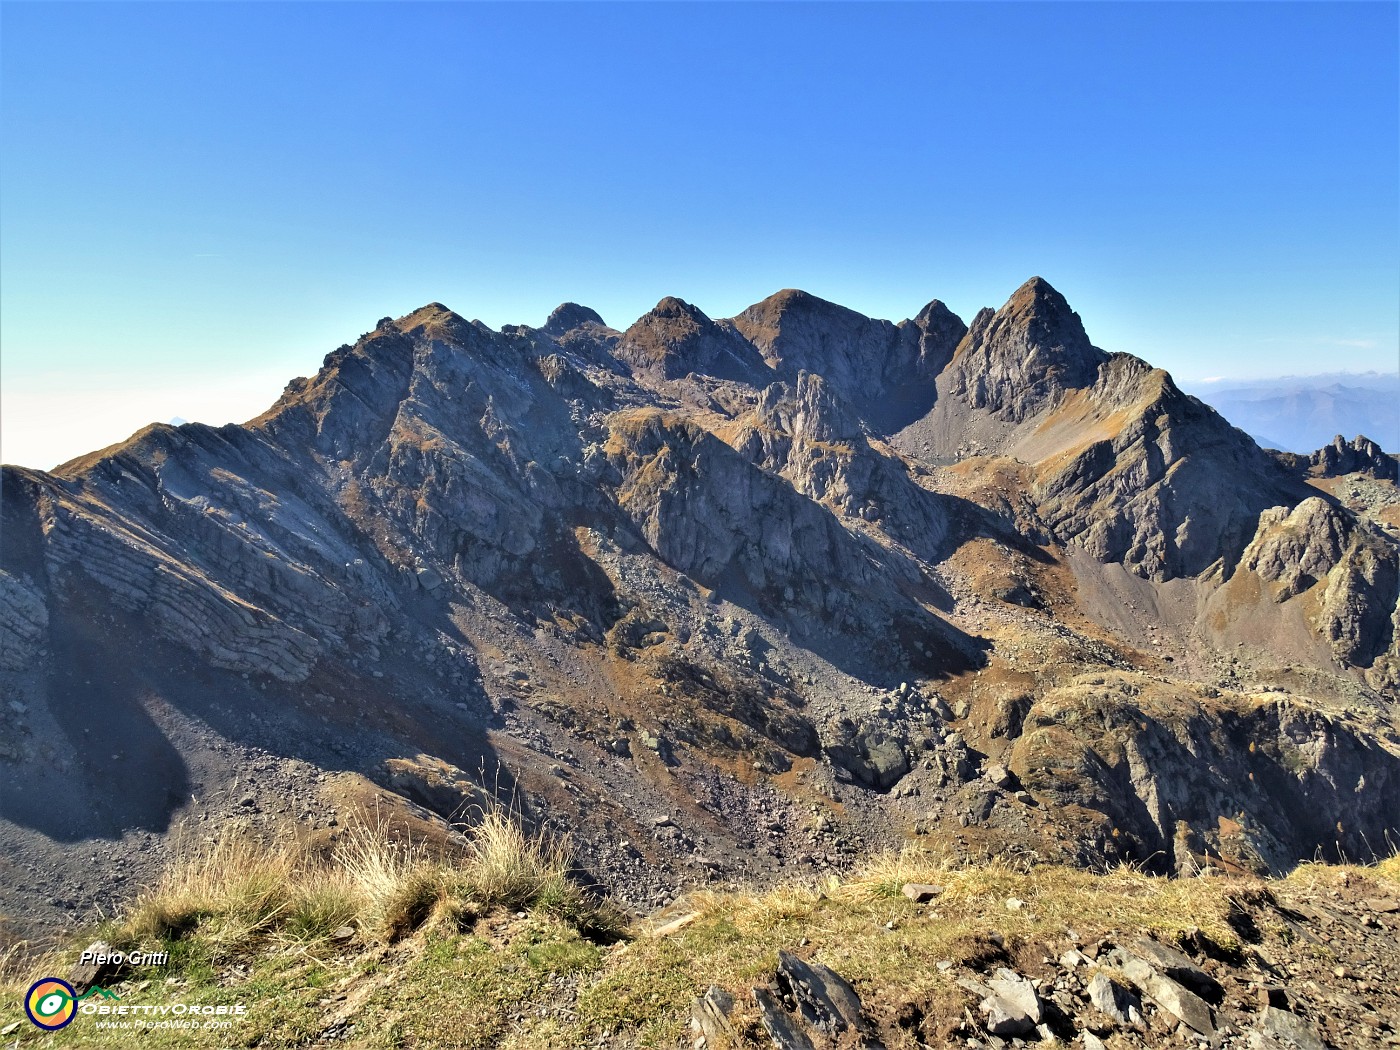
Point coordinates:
pixel 199 200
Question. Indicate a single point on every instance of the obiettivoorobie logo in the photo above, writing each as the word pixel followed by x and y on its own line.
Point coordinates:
pixel 52 1003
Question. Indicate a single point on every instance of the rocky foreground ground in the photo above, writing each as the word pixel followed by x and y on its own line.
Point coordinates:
pixel 909 952
pixel 1311 967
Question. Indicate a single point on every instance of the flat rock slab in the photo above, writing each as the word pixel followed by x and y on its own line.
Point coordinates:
pixel 1005 1018
pixel 1014 1006
pixel 1182 1003
pixel 711 1013
pixel 675 925
pixel 974 986
pixel 1014 988
pixel 920 892
pixel 1179 967
pixel 1289 1029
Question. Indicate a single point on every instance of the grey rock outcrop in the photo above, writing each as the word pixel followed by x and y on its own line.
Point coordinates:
pixel 1359 455
pixel 813 1008
pixel 711 1015
pixel 1316 543
pixel 1171 995
pixel 1014 1007
pixel 1114 1001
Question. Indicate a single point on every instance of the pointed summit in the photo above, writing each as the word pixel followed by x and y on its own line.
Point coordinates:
pixel 941 331
pixel 936 313
pixel 1037 287
pixel 568 316
pixel 1046 317
pixel 1024 357
pixel 434 321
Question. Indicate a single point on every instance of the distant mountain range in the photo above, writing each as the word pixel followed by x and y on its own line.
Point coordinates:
pixel 1302 413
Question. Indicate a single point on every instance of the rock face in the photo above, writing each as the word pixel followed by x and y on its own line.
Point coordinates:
pixel 1360 455
pixel 1016 362
pixel 867 361
pixel 1168 487
pixel 852 560
pixel 1314 542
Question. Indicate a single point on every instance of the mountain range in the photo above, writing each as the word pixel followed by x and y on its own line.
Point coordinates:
pixel 1300 413
pixel 724 598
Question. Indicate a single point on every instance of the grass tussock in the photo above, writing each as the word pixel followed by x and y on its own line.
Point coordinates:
pixel 238 892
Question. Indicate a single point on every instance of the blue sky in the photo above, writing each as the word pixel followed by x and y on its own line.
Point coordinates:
pixel 197 201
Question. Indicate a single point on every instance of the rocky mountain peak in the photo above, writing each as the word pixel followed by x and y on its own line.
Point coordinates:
pixel 433 321
pixel 787 326
pixel 937 315
pixel 675 338
pixel 1021 359
pixel 568 316
pixel 941 331
pixel 1048 323
pixel 870 363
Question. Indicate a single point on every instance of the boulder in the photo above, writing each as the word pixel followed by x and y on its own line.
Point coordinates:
pixel 1014 1006
pixel 920 892
pixel 1115 1002
pixel 1289 1029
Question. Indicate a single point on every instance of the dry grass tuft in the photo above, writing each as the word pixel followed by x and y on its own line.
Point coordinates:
pixel 231 891
pixel 240 892
pixel 509 867
pixel 21 964
pixel 1390 868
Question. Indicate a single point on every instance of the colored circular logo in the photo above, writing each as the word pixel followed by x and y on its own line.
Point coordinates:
pixel 51 1003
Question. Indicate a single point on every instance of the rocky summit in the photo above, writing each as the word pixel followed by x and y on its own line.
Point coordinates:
pixel 730 600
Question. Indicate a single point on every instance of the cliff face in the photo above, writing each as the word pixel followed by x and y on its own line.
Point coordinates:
pixel 723 571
